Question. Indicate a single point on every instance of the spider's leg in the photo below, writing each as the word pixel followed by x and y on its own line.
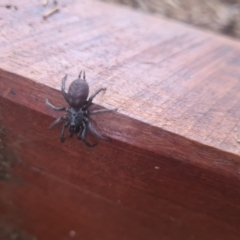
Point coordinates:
pixel 82 136
pixel 63 88
pixel 93 131
pixel 62 132
pixel 57 121
pixel 89 101
pixel 80 132
pixel 101 111
pixel 70 131
pixel 79 76
pixel 55 108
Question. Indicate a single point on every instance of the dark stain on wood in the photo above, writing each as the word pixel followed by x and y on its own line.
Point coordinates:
pixel 7 158
pixel 10 232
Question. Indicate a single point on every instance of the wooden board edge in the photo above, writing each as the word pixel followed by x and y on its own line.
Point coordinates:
pixel 119 127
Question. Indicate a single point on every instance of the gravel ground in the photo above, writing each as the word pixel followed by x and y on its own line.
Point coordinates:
pixel 222 16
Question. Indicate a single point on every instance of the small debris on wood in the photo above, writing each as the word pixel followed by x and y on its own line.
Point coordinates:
pixel 7 92
pixel 50 12
pixel 72 233
pixel 9 6
pixel 44 2
pixel 237 138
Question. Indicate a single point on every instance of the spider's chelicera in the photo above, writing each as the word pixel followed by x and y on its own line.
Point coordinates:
pixel 77 117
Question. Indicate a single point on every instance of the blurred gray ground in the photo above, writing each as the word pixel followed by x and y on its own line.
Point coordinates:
pixel 222 16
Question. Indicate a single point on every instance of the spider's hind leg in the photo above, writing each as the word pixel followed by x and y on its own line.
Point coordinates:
pixel 89 101
pixel 63 88
pixel 94 112
pixel 55 108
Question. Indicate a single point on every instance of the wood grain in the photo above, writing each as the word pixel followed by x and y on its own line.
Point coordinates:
pixel 171 170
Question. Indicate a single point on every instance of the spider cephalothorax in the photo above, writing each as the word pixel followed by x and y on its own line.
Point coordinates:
pixel 77 117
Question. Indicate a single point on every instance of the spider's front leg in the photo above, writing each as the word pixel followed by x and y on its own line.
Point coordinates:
pixel 70 131
pixel 57 121
pixel 82 136
pixel 62 139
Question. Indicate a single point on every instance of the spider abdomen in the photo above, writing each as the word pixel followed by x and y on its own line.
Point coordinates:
pixel 78 93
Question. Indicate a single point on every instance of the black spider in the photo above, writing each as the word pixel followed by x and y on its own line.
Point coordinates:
pixel 77 118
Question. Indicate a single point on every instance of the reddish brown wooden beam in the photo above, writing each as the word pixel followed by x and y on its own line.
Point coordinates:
pixel 54 188
pixel 172 168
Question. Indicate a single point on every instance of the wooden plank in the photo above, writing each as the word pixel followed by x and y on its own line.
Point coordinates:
pixel 177 79
pixel 172 167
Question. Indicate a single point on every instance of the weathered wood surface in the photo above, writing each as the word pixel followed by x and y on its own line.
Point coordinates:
pixel 172 168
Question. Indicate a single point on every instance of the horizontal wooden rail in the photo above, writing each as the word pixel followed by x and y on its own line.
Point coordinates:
pixel 171 169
